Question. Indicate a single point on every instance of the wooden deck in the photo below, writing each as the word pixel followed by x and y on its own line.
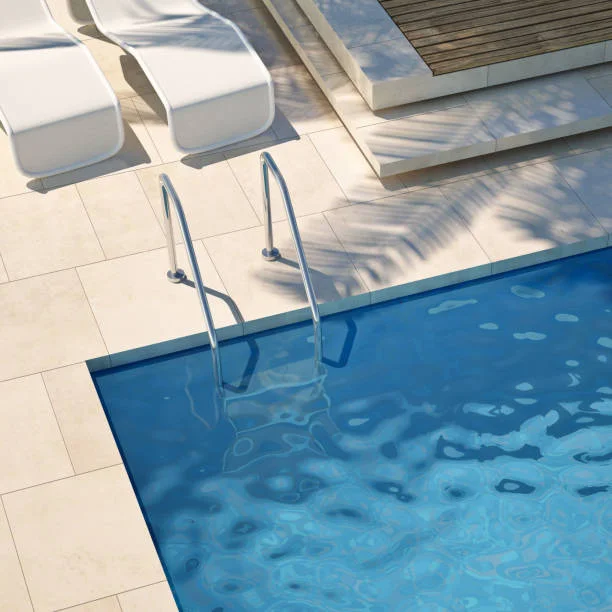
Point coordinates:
pixel 452 35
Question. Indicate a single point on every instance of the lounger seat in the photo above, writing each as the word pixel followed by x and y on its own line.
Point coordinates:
pixel 215 88
pixel 56 106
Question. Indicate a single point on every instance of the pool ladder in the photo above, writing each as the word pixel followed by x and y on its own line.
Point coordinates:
pixel 270 253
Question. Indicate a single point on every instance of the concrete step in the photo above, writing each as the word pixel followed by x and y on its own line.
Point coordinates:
pixel 388 71
pixel 451 128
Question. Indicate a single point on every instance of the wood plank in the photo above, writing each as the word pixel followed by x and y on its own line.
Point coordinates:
pixel 508 38
pixel 453 35
pixel 490 14
pixel 488 25
pixel 505 55
pixel 570 35
pixel 442 11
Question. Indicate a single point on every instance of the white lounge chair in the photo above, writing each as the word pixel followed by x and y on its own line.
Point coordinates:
pixel 215 88
pixel 56 106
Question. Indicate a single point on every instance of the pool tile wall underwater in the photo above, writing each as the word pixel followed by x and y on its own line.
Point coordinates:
pixel 455 451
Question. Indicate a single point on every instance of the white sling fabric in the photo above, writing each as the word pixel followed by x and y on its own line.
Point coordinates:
pixel 56 106
pixel 215 88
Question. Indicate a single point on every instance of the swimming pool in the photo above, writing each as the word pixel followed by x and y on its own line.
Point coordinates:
pixel 454 452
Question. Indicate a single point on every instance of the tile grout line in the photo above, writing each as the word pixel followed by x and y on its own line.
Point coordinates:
pixel 114 595
pixel 359 276
pixel 85 603
pixel 466 225
pixel 320 156
pixel 588 81
pixel 3 267
pixel 144 586
pixel 227 293
pixel 93 228
pixel 242 189
pixel 22 376
pixel 201 241
pixel 93 314
pixel 44 382
pixel 577 195
pixel 48 482
pixel 119 601
pixel 25 581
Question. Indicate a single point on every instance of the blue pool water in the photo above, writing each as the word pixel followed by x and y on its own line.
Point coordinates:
pixel 454 454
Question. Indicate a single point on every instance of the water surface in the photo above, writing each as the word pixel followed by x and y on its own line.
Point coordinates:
pixel 455 453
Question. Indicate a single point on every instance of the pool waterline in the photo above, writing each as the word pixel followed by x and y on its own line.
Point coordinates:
pixel 377 474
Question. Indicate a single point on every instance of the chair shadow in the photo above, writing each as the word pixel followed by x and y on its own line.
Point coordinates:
pixel 135 77
pixel 269 138
pixel 79 11
pixel 131 154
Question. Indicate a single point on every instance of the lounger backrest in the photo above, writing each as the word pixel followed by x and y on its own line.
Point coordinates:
pixel 20 17
pixel 117 13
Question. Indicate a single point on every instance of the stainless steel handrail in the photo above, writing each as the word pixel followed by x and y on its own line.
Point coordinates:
pixel 270 253
pixel 176 275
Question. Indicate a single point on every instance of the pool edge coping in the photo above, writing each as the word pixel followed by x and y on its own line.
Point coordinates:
pixel 368 298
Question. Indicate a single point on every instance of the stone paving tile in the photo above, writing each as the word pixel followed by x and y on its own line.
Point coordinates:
pixel 14 595
pixel 590 176
pixel 525 216
pixel 108 604
pixel 81 418
pixel 412 238
pixel 122 71
pixel 32 450
pixel 121 214
pixel 212 198
pixel 47 323
pixel 351 169
pixel 311 185
pixel 427 140
pixel 81 539
pixel 154 598
pixel 136 306
pixel 55 234
pixel 517 112
pixel 302 103
pixel 138 151
pixel 261 288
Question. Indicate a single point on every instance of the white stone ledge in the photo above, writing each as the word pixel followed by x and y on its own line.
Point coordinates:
pixel 388 71
pixel 452 128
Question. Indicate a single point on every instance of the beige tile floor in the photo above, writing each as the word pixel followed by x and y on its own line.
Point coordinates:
pixel 82 276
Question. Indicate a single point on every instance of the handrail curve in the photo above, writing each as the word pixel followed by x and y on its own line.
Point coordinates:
pixel 270 253
pixel 176 275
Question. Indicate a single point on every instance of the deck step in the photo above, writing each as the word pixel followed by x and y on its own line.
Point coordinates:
pixel 388 70
pixel 452 128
